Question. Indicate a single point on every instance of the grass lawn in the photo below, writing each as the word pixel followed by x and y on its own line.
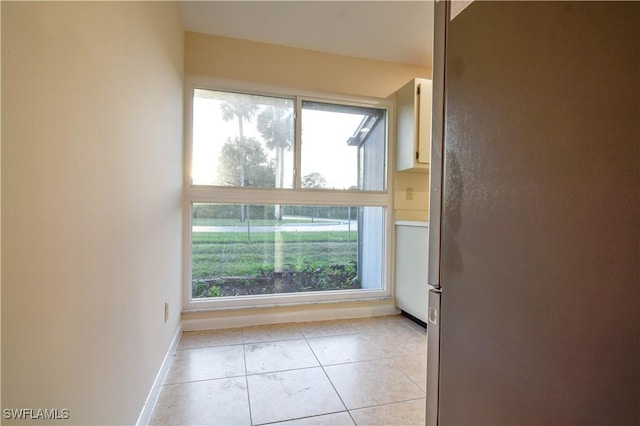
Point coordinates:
pixel 208 221
pixel 228 254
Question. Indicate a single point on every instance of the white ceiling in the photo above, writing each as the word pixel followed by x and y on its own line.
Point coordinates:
pixel 393 31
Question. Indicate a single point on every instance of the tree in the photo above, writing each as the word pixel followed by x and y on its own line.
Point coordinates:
pixel 275 124
pixel 314 180
pixel 243 162
pixel 243 108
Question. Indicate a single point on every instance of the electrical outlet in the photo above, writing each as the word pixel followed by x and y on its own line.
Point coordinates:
pixel 166 312
pixel 409 194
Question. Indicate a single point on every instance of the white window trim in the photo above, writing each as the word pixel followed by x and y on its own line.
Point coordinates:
pixel 231 195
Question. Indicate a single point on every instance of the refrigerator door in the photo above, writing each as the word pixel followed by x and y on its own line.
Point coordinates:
pixel 441 12
pixel 433 356
pixel 540 236
pixel 437 141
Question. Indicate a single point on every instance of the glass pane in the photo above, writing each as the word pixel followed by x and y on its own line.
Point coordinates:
pixel 240 250
pixel 242 140
pixel 343 147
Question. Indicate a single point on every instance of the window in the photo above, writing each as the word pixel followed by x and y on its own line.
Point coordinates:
pixel 242 140
pixel 334 140
pixel 312 248
pixel 287 197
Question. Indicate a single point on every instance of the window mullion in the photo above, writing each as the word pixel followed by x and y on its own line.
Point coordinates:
pixel 285 196
pixel 297 152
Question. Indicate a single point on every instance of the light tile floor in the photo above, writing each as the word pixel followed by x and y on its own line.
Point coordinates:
pixel 367 371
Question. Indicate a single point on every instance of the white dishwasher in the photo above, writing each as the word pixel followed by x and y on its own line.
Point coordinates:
pixel 412 258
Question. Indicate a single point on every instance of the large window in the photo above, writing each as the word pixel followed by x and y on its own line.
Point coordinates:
pixel 287 197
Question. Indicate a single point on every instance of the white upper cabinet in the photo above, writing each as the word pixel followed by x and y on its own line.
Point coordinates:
pixel 413 138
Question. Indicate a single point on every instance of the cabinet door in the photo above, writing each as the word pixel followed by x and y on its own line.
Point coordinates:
pixel 412 253
pixel 407 131
pixel 413 144
pixel 424 117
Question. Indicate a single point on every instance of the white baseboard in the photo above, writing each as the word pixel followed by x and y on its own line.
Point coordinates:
pixel 261 316
pixel 152 398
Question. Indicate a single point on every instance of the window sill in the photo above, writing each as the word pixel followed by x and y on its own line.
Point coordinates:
pixel 285 299
pixel 215 318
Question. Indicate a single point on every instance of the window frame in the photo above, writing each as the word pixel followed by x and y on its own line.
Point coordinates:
pixel 284 196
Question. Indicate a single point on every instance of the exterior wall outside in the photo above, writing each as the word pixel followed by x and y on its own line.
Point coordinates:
pixel 372 219
pixel 91 204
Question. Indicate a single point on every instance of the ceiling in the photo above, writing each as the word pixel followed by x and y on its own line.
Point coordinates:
pixel 392 31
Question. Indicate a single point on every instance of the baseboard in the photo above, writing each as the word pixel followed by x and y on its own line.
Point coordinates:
pixel 152 398
pixel 415 319
pixel 278 315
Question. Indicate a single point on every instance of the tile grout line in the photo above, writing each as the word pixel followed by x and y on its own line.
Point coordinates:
pixel 329 378
pixel 246 376
pixel 385 404
pixel 407 376
pixel 300 418
pixel 390 357
pixel 345 405
pixel 212 379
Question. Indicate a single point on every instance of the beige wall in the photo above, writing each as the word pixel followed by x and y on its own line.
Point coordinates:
pixel 415 205
pixel 313 71
pixel 91 213
pixel 294 68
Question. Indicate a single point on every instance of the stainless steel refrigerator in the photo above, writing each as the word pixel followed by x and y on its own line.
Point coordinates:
pixel 535 217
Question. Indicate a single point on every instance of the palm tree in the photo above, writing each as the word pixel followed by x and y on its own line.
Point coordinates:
pixel 275 124
pixel 243 108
